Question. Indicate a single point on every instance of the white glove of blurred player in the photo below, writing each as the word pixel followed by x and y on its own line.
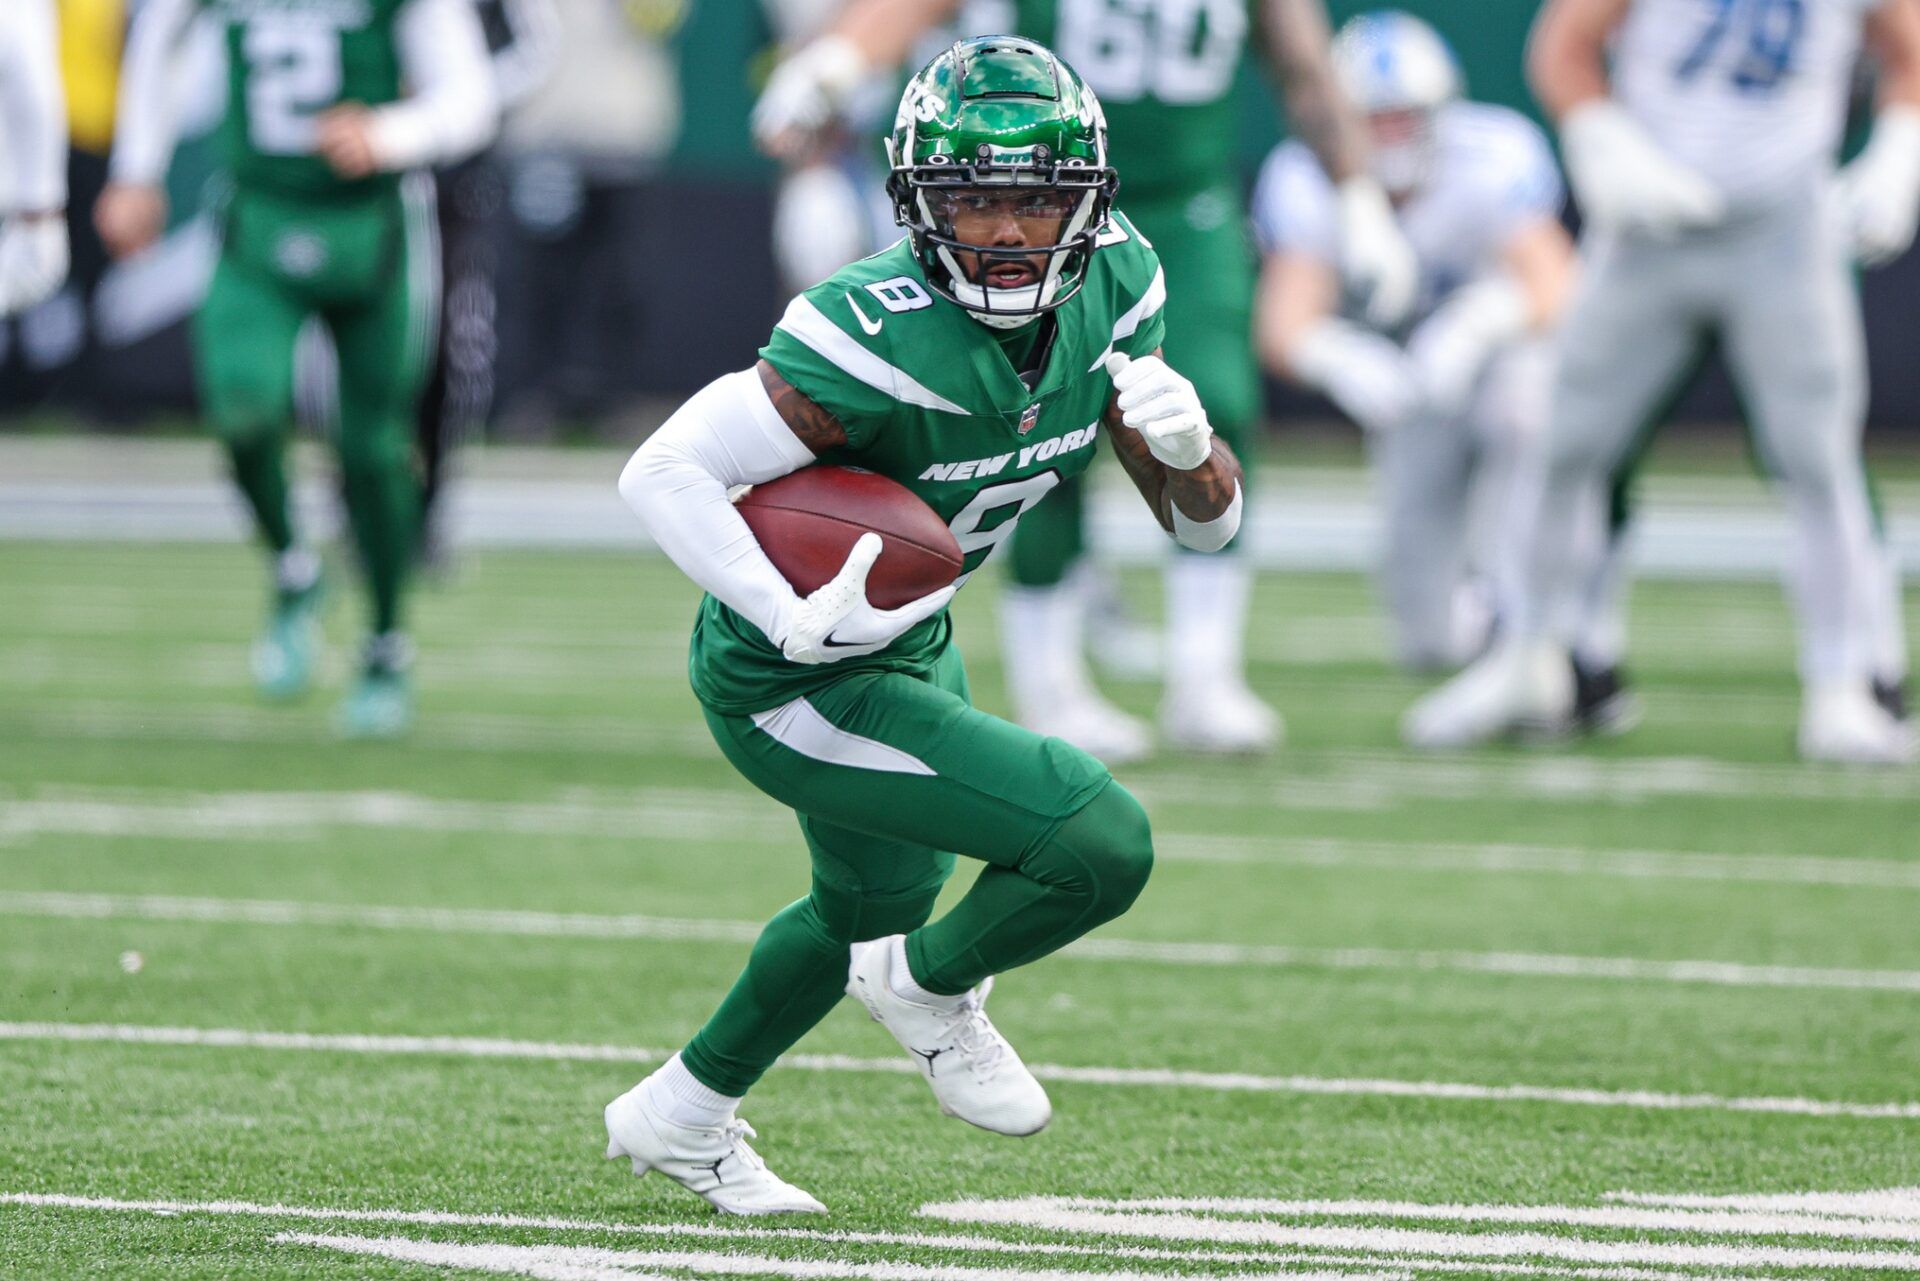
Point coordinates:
pixel 1880 190
pixel 1375 257
pixel 838 621
pixel 1369 378
pixel 1624 180
pixel 33 260
pixel 804 93
pixel 1451 348
pixel 1164 408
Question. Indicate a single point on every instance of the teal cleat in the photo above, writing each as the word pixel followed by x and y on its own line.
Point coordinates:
pixel 381 702
pixel 283 657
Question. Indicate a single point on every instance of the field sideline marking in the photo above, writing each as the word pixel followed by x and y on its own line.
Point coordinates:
pixel 718 814
pixel 516 922
pixel 942 1241
pixel 1142 1078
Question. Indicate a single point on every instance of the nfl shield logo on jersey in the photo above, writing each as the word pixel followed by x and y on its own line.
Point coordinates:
pixel 1029 418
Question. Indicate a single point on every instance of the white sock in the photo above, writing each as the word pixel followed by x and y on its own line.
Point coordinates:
pixel 295 569
pixel 1041 640
pixel 680 1098
pixel 900 978
pixel 1206 620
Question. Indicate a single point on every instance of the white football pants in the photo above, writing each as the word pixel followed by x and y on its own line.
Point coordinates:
pixel 1777 288
pixel 1450 496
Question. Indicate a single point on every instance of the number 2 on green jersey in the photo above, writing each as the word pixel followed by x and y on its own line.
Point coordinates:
pixel 293 74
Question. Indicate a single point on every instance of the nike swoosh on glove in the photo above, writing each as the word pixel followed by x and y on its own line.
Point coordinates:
pixel 838 621
pixel 1164 408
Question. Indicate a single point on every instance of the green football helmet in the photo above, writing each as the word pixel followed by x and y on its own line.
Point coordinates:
pixel 997 126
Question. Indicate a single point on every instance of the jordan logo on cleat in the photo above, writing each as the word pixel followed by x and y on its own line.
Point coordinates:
pixel 714 1166
pixel 930 1056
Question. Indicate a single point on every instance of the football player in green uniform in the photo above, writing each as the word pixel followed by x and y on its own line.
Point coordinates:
pixel 319 224
pixel 976 362
pixel 1164 70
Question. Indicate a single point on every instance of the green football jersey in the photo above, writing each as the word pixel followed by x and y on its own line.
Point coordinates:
pixel 288 61
pixel 928 398
pixel 1164 73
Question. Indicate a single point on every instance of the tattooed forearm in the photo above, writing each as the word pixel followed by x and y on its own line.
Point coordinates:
pixel 1297 39
pixel 817 429
pixel 1202 494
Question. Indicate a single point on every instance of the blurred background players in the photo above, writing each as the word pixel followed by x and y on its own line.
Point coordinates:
pixel 521 37
pixel 1164 71
pixel 1453 402
pixel 318 224
pixel 1702 153
pixel 830 208
pixel 33 157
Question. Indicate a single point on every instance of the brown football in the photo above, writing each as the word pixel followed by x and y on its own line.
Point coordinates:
pixel 808 522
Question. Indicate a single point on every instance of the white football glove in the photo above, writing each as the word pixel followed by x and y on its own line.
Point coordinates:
pixel 838 622
pixel 1451 348
pixel 1164 408
pixel 33 261
pixel 1364 374
pixel 1625 181
pixel 1375 257
pixel 804 93
pixel 1880 190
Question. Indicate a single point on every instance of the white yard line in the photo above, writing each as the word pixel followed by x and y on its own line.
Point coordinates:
pixel 272 912
pixel 1053 1215
pixel 731 814
pixel 1132 1078
pixel 1337 780
pixel 969 1244
pixel 1900 1221
pixel 589 1263
pixel 1898 1204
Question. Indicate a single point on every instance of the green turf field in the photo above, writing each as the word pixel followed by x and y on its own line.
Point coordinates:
pixel 272 1006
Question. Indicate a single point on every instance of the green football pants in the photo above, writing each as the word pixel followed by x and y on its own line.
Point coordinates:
pixel 1210 275
pixel 368 271
pixel 891 776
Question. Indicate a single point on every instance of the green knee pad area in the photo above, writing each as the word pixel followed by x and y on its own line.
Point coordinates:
pixel 1089 871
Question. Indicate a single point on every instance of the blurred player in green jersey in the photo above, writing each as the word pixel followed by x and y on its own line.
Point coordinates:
pixel 976 362
pixel 319 225
pixel 1164 70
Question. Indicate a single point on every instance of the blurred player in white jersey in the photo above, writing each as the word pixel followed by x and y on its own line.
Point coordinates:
pixel 1700 136
pixel 33 147
pixel 1453 401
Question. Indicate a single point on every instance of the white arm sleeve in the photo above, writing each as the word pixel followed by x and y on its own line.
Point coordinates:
pixel 1208 535
pixel 728 434
pixel 33 112
pixel 144 119
pixel 451 109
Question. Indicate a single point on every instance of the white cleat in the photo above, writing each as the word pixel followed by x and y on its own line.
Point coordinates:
pixel 1096 727
pixel 1841 723
pixel 1515 689
pixel 974 1073
pixel 1220 718
pixel 712 1162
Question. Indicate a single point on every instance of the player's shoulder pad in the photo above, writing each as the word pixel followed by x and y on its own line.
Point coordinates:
pixel 1125 259
pixel 1496 140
